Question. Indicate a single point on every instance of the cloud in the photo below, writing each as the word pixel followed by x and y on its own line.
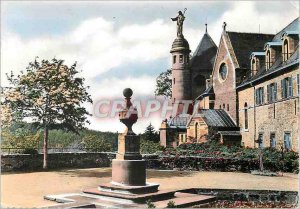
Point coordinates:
pixel 104 46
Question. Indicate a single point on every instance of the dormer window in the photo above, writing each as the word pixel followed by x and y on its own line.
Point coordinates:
pixel 256 59
pixel 290 40
pixel 285 50
pixel 273 51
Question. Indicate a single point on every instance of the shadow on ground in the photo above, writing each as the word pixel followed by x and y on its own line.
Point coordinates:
pixel 87 173
pixel 106 172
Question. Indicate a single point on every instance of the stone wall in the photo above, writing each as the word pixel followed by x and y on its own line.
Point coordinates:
pixel 27 162
pixel 225 93
pixel 270 118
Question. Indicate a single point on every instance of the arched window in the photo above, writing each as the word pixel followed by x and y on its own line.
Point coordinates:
pixel 224 106
pixel 196 131
pixel 246 115
pixel 253 67
pixel 285 50
pixel 268 60
pixel 223 71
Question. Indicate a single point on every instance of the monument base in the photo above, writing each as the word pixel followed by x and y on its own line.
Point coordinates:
pixel 129 172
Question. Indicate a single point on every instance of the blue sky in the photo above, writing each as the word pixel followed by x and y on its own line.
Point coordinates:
pixel 123 44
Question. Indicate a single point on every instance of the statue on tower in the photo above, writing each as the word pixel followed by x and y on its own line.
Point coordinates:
pixel 180 18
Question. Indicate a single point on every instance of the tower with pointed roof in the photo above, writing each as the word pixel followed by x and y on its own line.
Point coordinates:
pixel 201 64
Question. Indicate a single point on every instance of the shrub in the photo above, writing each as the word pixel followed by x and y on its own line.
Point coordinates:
pixel 150 204
pixel 149 147
pixel 171 204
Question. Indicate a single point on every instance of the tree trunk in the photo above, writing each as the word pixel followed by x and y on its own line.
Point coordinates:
pixel 45 161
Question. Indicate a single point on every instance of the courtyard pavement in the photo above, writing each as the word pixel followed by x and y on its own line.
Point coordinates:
pixel 28 189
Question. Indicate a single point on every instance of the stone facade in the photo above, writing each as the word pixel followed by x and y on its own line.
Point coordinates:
pixel 270 118
pixel 224 89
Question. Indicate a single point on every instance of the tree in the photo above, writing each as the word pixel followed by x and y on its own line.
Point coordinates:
pixel 96 144
pixel 164 84
pixel 51 95
pixel 150 134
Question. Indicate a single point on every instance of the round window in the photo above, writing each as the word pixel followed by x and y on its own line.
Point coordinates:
pixel 223 71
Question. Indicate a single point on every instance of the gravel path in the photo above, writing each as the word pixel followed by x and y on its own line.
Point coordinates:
pixel 28 189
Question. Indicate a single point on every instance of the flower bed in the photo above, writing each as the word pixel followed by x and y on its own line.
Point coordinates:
pixel 218 157
pixel 245 204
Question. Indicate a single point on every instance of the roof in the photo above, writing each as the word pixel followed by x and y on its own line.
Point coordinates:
pixel 215 118
pixel 208 91
pixel 244 44
pixel 204 56
pixel 279 65
pixel 230 133
pixel 179 121
pixel 180 44
pixel 273 43
pixel 293 26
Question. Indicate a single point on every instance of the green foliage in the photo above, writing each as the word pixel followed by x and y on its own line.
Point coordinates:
pixel 50 93
pixel 164 84
pixel 217 155
pixel 57 138
pixel 96 144
pixel 150 204
pixel 171 204
pixel 150 134
pixel 149 147
pixel 22 139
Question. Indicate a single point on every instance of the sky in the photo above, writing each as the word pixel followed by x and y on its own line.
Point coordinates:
pixel 123 44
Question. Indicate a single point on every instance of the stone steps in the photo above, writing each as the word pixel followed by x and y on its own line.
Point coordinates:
pixel 128 198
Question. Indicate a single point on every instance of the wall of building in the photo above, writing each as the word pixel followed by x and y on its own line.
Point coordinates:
pixel 225 93
pixel 277 117
pixel 248 135
pixel 200 134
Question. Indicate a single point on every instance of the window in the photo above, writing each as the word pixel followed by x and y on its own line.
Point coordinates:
pixel 180 58
pixel 253 65
pixel 298 85
pixel 259 95
pixel 246 116
pixel 220 107
pixel 272 92
pixel 174 59
pixel 196 131
pixel 286 87
pixel 173 80
pixel 227 107
pixel 223 71
pixel 260 140
pixel 224 106
pixel 285 53
pixel 272 140
pixel 268 60
pixel 287 140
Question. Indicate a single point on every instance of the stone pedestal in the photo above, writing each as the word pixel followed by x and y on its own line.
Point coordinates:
pixel 128 147
pixel 129 172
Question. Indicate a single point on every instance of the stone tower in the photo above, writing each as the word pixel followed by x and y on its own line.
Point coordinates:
pixel 181 75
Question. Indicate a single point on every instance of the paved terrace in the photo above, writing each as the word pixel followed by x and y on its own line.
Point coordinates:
pixel 28 189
